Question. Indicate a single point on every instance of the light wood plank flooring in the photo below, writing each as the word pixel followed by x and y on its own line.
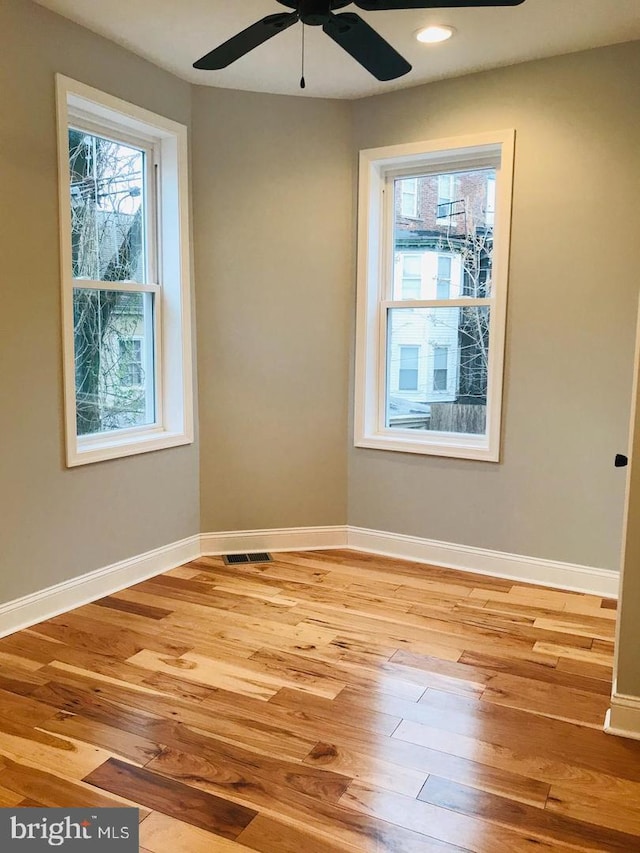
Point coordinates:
pixel 327 701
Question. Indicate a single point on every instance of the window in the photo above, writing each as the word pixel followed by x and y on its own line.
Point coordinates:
pixel 408 376
pixel 450 405
pixel 411 276
pixel 443 282
pixel 440 366
pixel 409 198
pixel 125 277
pixel 446 185
pixel 132 375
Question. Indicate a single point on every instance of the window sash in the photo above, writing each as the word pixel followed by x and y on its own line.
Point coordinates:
pixel 151 195
pixel 150 230
pixel 152 361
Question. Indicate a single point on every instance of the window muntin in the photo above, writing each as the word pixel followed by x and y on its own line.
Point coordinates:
pixel 125 276
pixel 458 321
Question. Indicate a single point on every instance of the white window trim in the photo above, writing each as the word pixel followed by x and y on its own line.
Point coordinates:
pixel 174 388
pixel 493 149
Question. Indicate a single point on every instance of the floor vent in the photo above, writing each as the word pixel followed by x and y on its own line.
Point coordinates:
pixel 234 559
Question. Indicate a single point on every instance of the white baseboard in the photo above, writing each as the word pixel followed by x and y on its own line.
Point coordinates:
pixel 47 603
pixel 568 576
pixel 478 560
pixel 623 717
pixel 26 611
pixel 286 539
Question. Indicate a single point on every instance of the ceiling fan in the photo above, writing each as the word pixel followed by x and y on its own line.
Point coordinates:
pixel 350 31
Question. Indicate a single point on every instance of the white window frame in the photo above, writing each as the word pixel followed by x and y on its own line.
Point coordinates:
pixel 378 166
pixel 166 141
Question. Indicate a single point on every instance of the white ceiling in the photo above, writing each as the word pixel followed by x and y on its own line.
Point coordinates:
pixel 174 34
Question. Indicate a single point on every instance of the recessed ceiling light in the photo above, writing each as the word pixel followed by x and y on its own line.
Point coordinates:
pixel 432 35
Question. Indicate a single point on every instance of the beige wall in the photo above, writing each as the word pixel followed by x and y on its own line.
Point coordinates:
pixel 572 307
pixel 57 523
pixel 273 244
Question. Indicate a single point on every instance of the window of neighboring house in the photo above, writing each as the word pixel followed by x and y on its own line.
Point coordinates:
pixel 408 375
pixel 443 280
pixel 446 184
pixel 411 276
pixel 440 368
pixel 125 277
pixel 409 198
pixel 130 358
pixel 456 411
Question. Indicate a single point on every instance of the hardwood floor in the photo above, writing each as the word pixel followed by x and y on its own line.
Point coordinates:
pixel 327 701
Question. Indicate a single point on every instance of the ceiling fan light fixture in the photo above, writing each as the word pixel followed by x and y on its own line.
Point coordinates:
pixel 434 34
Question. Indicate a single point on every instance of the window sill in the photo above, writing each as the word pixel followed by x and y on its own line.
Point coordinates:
pixel 112 447
pixel 457 447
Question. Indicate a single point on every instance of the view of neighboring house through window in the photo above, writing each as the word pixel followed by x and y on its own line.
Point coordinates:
pixel 457 261
pixel 440 287
pixel 112 241
pixel 409 198
pixel 116 162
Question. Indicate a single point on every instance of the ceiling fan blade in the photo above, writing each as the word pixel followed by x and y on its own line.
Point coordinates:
pixel 366 46
pixel 381 5
pixel 245 41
